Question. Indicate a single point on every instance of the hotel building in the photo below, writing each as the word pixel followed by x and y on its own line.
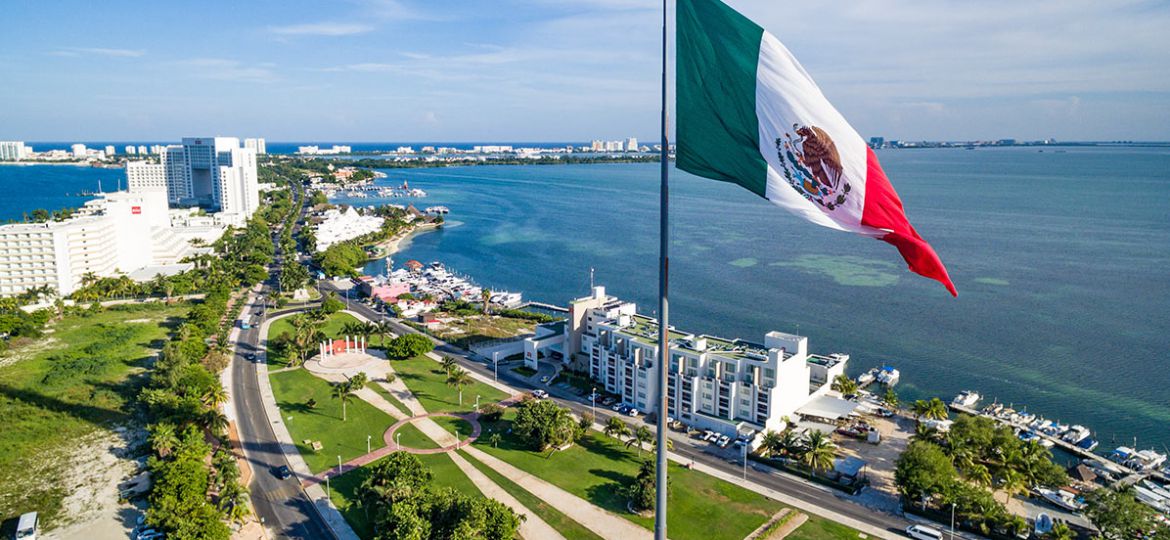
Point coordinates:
pixel 213 172
pixel 731 386
pixel 120 232
pixel 13 150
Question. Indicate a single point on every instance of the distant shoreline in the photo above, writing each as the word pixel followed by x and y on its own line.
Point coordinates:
pixel 392 245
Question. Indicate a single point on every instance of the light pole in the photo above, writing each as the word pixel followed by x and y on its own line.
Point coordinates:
pixel 368 437
pixel 496 364
pixel 952 521
pixel 593 407
pixel 398 440
pixel 327 486
pixel 745 462
pixel 338 464
pixel 477 403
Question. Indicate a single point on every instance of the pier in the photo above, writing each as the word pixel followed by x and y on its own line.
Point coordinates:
pixel 1129 477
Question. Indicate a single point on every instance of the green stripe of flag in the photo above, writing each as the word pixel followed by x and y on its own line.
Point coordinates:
pixel 718 132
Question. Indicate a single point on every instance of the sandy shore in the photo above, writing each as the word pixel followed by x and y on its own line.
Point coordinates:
pixel 392 245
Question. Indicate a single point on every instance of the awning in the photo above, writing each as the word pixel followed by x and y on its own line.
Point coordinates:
pixel 828 408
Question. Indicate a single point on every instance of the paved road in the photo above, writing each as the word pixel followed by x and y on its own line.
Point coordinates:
pixel 812 494
pixel 281 505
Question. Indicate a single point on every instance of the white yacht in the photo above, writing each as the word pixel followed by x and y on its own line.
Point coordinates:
pixel 888 376
pixel 967 398
pixel 1076 434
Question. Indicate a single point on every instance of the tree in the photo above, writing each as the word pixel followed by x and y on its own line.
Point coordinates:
pixel 384 329
pixel 641 436
pixel 819 451
pixel 494 440
pixel 485 296
pixel 771 444
pixel 843 384
pixel 615 427
pixel 459 378
pixel 359 381
pixel 344 392
pixel 331 304
pixel 642 492
pixel 491 412
pixel 449 363
pixel 214 421
pixel 215 396
pixel 924 470
pixel 163 438
pixel 1118 514
pixel 890 398
pixel 543 424
pixel 1060 531
pixel 409 346
pixel 933 409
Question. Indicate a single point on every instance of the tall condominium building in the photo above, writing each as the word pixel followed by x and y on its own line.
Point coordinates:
pixel 142 176
pixel 726 385
pixel 78 150
pixel 256 145
pixel 631 144
pixel 220 174
pixel 174 163
pixel 13 150
pixel 110 151
pixel 237 189
pixel 118 232
pixel 142 149
pixel 131 150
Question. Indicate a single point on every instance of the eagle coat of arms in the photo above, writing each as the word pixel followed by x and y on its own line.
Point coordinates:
pixel 812 166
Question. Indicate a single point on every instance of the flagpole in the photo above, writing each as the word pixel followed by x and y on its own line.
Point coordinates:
pixel 663 304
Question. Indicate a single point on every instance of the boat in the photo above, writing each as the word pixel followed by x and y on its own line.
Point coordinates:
pixel 966 398
pixel 867 377
pixel 1088 444
pixel 1062 499
pixel 1138 460
pixel 888 376
pixel 1044 524
pixel 1076 434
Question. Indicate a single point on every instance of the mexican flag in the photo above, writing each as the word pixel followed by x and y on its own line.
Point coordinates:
pixel 748 113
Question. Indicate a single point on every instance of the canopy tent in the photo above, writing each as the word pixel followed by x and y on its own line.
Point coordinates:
pixel 827 408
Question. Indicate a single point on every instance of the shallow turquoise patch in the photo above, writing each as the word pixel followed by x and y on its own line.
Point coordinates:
pixel 992 281
pixel 745 262
pixel 846 269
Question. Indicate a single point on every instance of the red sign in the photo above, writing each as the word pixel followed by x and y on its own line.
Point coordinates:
pixel 135 210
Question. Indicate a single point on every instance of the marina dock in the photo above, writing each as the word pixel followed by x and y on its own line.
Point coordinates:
pixel 1129 476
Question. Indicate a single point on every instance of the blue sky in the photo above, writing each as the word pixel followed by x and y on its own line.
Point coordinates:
pixel 545 70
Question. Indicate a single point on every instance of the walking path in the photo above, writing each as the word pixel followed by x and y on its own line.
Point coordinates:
pixel 603 523
pixel 532 527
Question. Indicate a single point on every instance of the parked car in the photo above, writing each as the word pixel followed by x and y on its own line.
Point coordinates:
pixel 544 379
pixel 710 436
pixel 632 412
pixel 539 394
pixel 922 532
pixel 724 440
pixel 26 526
pixel 608 400
pixel 283 472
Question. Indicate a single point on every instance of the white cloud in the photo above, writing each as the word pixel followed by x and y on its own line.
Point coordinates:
pixel 221 69
pixel 98 51
pixel 321 29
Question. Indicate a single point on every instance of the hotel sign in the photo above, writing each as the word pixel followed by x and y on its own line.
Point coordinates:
pixel 135 210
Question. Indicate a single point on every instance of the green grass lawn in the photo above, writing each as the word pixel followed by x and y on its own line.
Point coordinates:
pixel 562 523
pixel 457 426
pixel 427 380
pixel 413 437
pixel 344 488
pixel 818 528
pixel 83 375
pixel 332 329
pixel 702 507
pixel 390 397
pixel 293 389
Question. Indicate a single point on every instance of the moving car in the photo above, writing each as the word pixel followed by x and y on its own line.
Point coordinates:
pixel 26 527
pixel 631 412
pixel 283 472
pixel 539 394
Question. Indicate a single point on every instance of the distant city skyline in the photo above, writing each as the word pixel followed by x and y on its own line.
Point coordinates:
pixel 541 70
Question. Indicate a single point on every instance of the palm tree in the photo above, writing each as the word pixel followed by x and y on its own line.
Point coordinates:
pixel 641 436
pixel 936 409
pixel 1060 531
pixel 384 329
pixel 890 398
pixel 771 444
pixel 980 474
pixel 344 392
pixel 485 296
pixel 449 363
pixel 494 440
pixel 215 396
pixel 214 421
pixel 458 378
pixel 791 444
pixel 615 427
pixel 819 451
pixel 923 432
pixel 163 438
pixel 843 384
pixel 920 408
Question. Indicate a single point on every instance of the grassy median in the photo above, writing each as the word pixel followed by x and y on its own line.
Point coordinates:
pixel 428 382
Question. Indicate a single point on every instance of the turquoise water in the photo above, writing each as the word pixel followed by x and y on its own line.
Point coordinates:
pixel 24 188
pixel 1062 261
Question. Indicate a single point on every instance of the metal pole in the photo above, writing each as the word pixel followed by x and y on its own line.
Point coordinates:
pixel 593 407
pixel 952 521
pixel 368 437
pixel 338 464
pixel 398 441
pixel 496 365
pixel 745 462
pixel 663 304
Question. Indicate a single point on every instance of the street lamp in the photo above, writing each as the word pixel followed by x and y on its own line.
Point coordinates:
pixel 952 521
pixel 398 441
pixel 593 409
pixel 368 437
pixel 496 364
pixel 745 462
pixel 338 464
pixel 477 403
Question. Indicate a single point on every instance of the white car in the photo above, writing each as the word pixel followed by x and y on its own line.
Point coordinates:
pixel 724 440
pixel 632 412
pixel 922 532
pixel 539 394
